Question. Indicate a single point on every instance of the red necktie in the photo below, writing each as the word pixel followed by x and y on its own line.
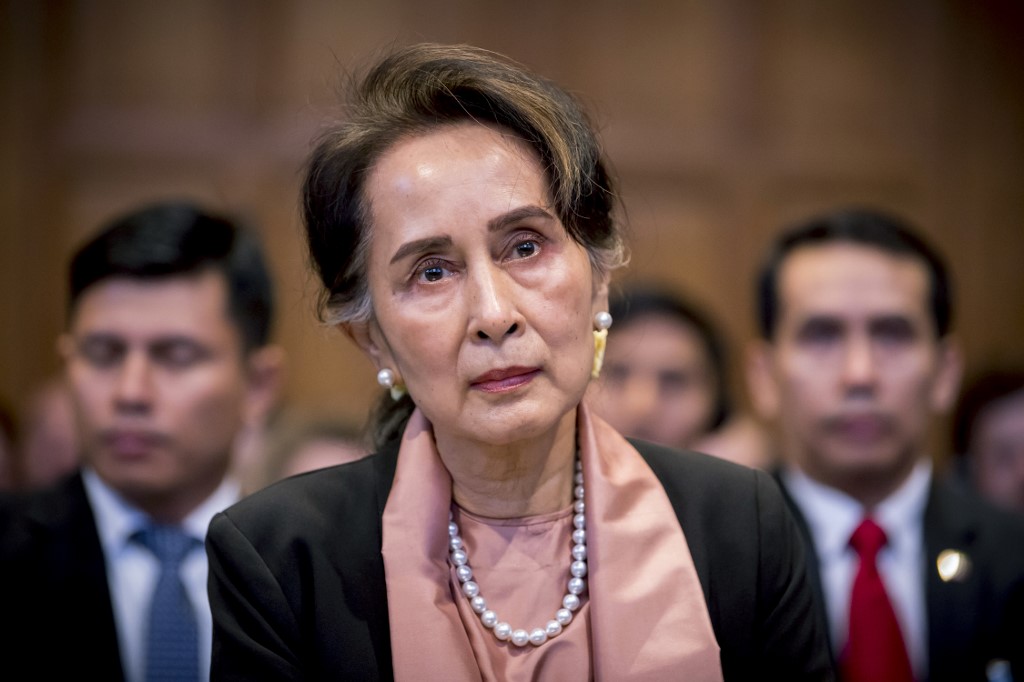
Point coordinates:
pixel 874 650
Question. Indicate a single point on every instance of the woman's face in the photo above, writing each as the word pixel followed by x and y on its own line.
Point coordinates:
pixel 483 304
pixel 997 452
pixel 657 383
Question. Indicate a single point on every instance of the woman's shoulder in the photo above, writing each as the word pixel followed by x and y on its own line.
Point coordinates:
pixel 751 564
pixel 719 503
pixel 312 503
pixel 696 474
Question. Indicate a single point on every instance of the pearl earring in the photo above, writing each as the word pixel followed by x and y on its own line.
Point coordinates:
pixel 602 320
pixel 386 378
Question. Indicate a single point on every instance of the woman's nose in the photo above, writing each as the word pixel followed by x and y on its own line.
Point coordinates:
pixel 494 308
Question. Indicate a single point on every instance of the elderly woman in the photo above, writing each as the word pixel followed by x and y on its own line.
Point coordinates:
pixel 461 223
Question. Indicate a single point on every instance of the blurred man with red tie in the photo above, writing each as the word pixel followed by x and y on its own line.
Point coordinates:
pixel 920 581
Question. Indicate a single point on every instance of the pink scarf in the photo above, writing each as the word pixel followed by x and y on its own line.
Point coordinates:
pixel 648 619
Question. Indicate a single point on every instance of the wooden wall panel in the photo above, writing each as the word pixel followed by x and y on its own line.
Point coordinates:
pixel 724 121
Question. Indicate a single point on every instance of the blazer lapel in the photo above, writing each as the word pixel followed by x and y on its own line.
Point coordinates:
pixel 72 575
pixel 813 569
pixel 953 597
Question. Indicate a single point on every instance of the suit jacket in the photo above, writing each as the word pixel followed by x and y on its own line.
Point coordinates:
pixel 55 610
pixel 976 619
pixel 297 580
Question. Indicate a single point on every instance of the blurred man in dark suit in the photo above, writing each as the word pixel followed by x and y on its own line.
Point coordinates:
pixel 167 357
pixel 920 580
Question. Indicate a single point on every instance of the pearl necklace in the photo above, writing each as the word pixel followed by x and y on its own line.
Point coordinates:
pixel 570 602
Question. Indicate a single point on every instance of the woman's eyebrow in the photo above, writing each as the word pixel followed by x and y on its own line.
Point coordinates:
pixel 493 225
pixel 515 215
pixel 420 246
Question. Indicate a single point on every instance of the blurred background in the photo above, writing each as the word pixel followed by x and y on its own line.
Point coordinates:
pixel 724 121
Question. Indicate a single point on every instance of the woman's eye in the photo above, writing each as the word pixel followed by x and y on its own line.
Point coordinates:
pixel 526 249
pixel 432 271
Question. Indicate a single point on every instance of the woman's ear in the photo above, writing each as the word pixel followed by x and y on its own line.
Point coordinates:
pixel 368 337
pixel 601 285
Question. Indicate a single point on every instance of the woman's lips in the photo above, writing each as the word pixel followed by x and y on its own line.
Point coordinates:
pixel 508 379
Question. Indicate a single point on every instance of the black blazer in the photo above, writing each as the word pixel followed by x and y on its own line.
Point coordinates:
pixel 297 579
pixel 977 619
pixel 57 620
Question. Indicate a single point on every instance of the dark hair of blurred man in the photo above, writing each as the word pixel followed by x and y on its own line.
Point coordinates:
pixel 920 580
pixel 167 357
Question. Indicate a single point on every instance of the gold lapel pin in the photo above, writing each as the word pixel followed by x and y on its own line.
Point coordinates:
pixel 953 566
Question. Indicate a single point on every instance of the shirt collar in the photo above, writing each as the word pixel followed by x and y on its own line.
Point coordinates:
pixel 117 519
pixel 901 514
pixel 832 516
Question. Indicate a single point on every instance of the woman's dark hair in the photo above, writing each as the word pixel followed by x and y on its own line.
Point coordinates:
pixel 418 89
pixel 863 227
pixel 175 238
pixel 639 301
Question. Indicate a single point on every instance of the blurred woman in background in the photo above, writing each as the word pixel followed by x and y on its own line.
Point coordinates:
pixel 666 379
pixel 989 436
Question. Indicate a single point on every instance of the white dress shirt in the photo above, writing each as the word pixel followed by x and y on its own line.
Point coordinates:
pixel 132 570
pixel 833 516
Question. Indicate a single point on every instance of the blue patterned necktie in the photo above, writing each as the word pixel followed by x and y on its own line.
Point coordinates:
pixel 172 640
